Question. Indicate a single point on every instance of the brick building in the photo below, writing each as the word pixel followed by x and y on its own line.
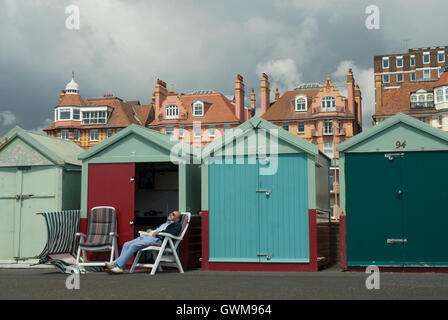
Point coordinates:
pixel 319 114
pixel 201 116
pixel 88 122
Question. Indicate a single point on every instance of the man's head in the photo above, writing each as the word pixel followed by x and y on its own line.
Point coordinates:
pixel 174 216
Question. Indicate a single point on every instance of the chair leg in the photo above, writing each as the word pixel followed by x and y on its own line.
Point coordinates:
pixel 159 257
pixel 134 264
pixel 78 254
pixel 176 257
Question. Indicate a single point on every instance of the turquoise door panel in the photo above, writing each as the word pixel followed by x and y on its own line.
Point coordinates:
pixel 374 210
pixel 425 196
pixel 283 203
pixel 233 217
pixel 8 186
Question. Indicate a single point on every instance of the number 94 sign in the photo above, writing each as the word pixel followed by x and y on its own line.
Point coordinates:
pixel 400 144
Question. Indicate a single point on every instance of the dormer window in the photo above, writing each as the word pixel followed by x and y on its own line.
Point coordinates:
pixel 300 103
pixel 328 104
pixel 198 109
pixel 422 99
pixel 172 111
pixel 67 113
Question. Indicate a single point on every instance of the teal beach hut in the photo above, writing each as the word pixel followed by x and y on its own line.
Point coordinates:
pixel 394 196
pixel 265 201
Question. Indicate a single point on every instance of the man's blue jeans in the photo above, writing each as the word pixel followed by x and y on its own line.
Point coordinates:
pixel 131 247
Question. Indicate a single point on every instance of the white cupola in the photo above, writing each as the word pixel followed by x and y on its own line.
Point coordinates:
pixel 72 87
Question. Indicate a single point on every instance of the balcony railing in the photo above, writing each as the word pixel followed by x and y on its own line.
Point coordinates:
pixel 422 104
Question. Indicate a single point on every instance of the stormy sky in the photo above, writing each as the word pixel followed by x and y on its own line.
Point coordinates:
pixel 122 47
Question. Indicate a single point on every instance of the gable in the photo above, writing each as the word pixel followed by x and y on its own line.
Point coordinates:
pixel 19 153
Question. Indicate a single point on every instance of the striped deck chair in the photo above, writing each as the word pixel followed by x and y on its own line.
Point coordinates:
pixel 60 249
pixel 165 252
pixel 101 236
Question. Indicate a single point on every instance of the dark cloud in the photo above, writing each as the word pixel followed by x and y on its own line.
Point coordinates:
pixel 122 47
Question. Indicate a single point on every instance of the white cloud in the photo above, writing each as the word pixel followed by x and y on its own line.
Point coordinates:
pixel 365 79
pixel 7 118
pixel 283 73
pixel 40 129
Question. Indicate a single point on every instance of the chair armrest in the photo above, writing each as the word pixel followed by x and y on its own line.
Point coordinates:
pixel 113 234
pixel 169 235
pixel 80 234
pixel 144 233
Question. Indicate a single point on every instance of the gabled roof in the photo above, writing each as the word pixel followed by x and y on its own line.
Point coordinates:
pixel 220 110
pixel 415 124
pixel 162 140
pixel 58 151
pixel 259 123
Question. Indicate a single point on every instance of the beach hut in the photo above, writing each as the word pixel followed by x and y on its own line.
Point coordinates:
pixel 265 201
pixel 138 172
pixel 394 196
pixel 37 174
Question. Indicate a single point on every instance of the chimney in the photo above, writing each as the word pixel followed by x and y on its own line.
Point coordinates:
pixel 249 111
pixel 378 90
pixel 265 93
pixel 350 92
pixel 359 106
pixel 277 94
pixel 160 95
pixel 61 95
pixel 239 98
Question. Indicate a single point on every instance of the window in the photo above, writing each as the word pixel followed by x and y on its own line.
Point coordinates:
pixel 422 119
pixel 385 62
pixel 412 76
pixel 94 135
pixel 226 128
pixel 211 131
pixel 439 95
pixel 198 109
pixel 76 114
pixel 169 130
pixel 328 149
pixel 76 135
pixel 172 111
pixel 109 133
pixel 94 117
pixel 440 120
pixel 413 98
pixel 181 132
pixel 440 72
pixel 441 56
pixel 300 126
pixel 285 126
pixel 412 62
pixel 385 78
pixel 65 114
pixel 197 131
pixel 64 134
pixel 328 104
pixel 340 126
pixel 331 181
pixel 446 94
pixel 426 57
pixel 399 62
pixel 426 74
pixel 399 77
pixel 328 127
pixel 301 103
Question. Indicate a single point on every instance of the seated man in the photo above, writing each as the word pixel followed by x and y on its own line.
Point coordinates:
pixel 172 226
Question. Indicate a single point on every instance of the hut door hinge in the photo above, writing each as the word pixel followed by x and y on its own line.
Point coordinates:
pixel 267 255
pixel 23 196
pixel 268 191
pixel 392 241
pixel 391 156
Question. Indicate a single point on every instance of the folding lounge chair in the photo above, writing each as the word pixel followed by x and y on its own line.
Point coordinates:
pixel 165 252
pixel 101 235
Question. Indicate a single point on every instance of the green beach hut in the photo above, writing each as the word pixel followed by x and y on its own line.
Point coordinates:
pixel 38 173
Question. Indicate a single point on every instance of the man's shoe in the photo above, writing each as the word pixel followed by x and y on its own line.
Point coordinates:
pixel 110 265
pixel 115 270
